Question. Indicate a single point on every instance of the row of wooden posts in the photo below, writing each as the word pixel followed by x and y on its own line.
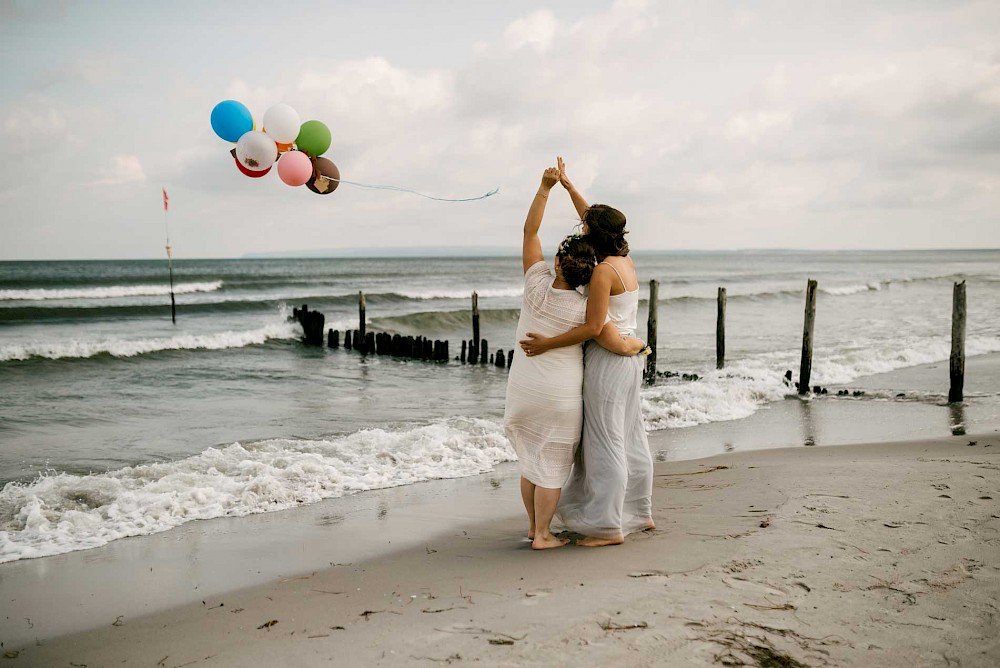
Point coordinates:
pixel 956 363
pixel 476 349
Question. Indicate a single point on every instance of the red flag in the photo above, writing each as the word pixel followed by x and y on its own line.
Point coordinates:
pixel 165 199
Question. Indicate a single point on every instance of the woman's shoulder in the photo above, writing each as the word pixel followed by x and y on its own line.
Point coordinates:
pixel 619 270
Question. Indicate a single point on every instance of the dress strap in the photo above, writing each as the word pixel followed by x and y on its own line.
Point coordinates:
pixel 624 287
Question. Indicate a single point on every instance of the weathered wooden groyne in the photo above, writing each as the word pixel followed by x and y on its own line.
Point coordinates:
pixel 365 342
pixel 476 349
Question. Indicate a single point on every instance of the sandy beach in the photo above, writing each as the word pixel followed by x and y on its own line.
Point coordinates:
pixel 872 554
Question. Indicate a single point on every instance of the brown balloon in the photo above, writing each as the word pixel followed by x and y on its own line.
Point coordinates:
pixel 326 177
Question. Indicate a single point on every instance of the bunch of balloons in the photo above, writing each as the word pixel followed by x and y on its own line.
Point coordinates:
pixel 282 139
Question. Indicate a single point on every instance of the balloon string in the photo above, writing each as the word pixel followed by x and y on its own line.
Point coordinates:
pixel 407 190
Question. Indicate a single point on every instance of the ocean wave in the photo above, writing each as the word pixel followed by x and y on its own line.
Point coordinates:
pixel 852 289
pixel 58 513
pixel 442 321
pixel 131 347
pixel 729 394
pixel 705 293
pixel 846 365
pixel 107 292
pixel 746 386
pixel 440 293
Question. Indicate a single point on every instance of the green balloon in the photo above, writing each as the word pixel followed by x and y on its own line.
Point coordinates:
pixel 314 138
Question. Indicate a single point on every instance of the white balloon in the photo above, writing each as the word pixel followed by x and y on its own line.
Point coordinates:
pixel 282 123
pixel 256 151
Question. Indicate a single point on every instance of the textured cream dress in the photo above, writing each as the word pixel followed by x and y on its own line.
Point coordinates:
pixel 543 415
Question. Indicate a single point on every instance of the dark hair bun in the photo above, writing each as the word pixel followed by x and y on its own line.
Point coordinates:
pixel 607 230
pixel 577 259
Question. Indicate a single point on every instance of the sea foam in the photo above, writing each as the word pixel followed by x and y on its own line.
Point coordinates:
pixel 120 347
pixel 59 513
pixel 746 385
pixel 107 292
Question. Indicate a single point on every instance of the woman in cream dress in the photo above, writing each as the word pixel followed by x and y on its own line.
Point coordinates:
pixel 543 414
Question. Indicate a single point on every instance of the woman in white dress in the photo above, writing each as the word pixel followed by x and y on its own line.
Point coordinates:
pixel 543 414
pixel 609 494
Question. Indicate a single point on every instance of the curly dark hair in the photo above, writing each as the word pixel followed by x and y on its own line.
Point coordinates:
pixel 577 259
pixel 607 230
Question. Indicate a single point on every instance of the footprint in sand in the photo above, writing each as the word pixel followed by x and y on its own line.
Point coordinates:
pixel 751 586
pixel 531 597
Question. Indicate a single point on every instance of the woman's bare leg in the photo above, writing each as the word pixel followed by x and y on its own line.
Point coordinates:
pixel 528 497
pixel 545 507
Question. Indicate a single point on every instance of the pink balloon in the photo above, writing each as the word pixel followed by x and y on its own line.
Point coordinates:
pixel 294 168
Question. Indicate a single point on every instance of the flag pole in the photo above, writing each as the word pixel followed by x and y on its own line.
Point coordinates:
pixel 170 262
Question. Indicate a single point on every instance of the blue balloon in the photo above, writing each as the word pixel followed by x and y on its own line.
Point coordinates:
pixel 231 119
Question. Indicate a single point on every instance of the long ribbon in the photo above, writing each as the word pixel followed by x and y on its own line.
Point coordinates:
pixel 407 190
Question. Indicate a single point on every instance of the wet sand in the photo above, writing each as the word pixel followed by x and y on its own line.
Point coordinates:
pixel 873 554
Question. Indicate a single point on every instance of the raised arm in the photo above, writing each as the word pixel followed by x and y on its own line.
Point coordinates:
pixel 531 249
pixel 578 202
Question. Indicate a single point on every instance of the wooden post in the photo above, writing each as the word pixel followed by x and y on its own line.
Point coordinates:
pixel 651 332
pixel 475 319
pixel 361 313
pixel 956 392
pixel 720 331
pixel 314 328
pixel 805 369
pixel 462 356
pixel 501 361
pixel 473 352
pixel 333 338
pixel 483 351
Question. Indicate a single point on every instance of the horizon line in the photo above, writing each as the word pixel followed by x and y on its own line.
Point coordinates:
pixel 479 251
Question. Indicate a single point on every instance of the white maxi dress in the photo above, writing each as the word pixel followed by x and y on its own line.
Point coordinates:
pixel 543 413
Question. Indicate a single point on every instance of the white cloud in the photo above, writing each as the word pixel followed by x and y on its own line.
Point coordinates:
pixel 121 170
pixel 536 31
pixel 33 123
pixel 739 128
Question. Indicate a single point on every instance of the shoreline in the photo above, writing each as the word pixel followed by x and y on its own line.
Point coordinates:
pixel 212 558
pixel 216 556
pixel 840 549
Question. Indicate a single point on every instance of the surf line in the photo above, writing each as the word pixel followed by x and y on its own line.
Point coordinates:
pixel 372 186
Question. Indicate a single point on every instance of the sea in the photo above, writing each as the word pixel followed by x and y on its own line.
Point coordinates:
pixel 116 422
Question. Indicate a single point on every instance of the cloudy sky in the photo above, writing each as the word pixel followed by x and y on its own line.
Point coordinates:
pixel 713 125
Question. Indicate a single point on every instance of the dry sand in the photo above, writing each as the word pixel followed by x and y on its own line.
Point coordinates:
pixel 884 554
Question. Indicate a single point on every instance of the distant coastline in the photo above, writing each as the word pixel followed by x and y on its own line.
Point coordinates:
pixel 512 251
pixel 492 251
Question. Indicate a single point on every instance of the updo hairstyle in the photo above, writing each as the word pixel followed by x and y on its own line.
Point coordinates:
pixel 577 260
pixel 607 230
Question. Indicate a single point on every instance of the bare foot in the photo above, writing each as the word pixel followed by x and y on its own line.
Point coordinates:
pixel 531 533
pixel 648 525
pixel 591 541
pixel 547 542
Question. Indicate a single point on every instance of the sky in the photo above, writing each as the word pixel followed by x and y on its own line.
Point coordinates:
pixel 712 125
